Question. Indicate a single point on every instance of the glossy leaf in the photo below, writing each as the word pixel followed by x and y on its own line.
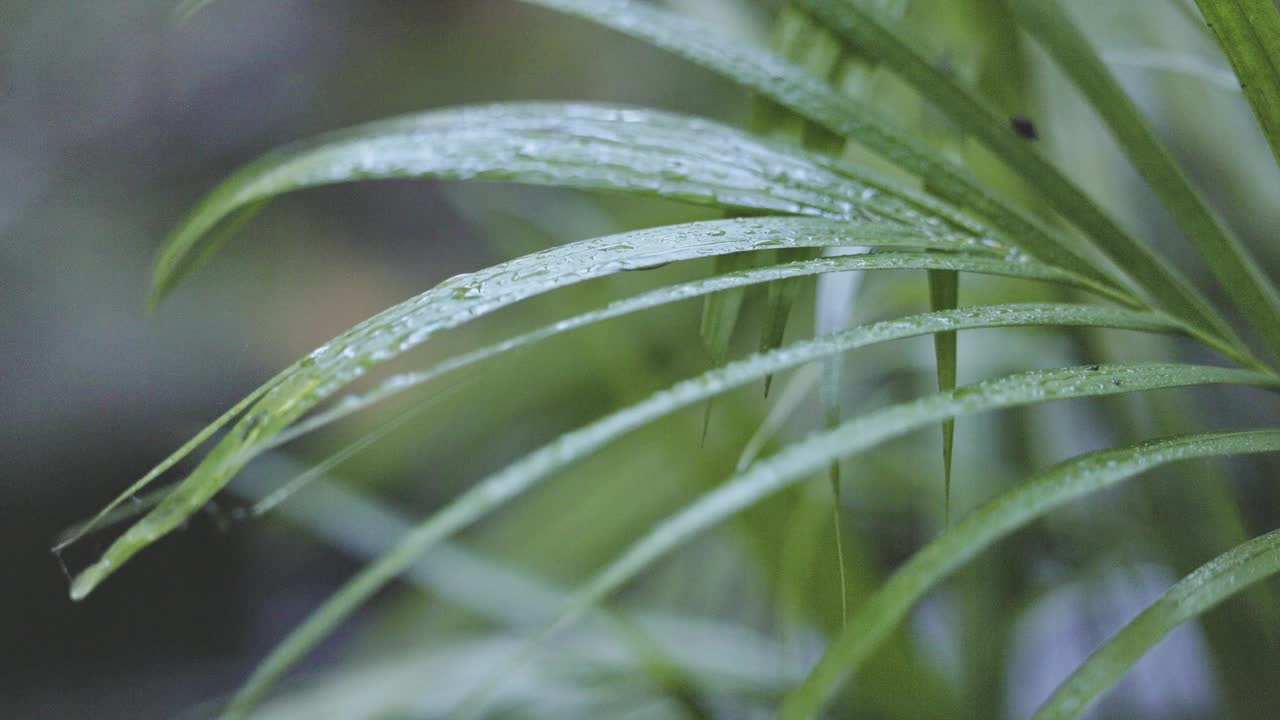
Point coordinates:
pixel 885 260
pixel 577 145
pixel 450 304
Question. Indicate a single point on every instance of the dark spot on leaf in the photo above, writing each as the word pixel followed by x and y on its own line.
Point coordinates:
pixel 1023 127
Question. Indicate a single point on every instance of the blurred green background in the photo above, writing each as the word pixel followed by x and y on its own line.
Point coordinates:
pixel 114 119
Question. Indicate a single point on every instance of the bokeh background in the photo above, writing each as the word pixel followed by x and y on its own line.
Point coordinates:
pixel 114 118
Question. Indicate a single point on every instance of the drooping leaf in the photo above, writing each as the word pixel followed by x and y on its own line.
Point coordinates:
pixel 1236 270
pixel 454 302
pixel 527 472
pixel 996 519
pixel 1197 593
pixel 863 29
pixel 885 260
pixel 577 145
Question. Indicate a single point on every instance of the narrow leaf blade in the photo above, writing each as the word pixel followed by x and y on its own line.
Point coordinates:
pixel 1197 593
pixel 996 519
pixel 577 145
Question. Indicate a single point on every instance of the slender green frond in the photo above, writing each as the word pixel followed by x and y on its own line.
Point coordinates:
pixel 526 473
pixel 1236 270
pixel 886 260
pixel 1249 33
pixel 583 146
pixel 452 303
pixel 792 87
pixel 996 519
pixel 864 30
pixel 1197 593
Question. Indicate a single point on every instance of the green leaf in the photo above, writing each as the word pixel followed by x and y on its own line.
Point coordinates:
pixel 583 146
pixel 1249 33
pixel 452 303
pixel 789 85
pixel 972 116
pixel 1197 593
pixel 529 471
pixel 944 294
pixel 1237 272
pixel 884 260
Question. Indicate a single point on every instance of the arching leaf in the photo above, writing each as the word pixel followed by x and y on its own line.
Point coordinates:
pixel 450 304
pixel 996 519
pixel 1197 593
pixel 577 145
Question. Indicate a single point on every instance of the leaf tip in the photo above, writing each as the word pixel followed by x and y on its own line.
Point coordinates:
pixel 87 580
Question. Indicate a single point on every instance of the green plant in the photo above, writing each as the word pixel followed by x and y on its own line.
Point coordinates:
pixel 932 193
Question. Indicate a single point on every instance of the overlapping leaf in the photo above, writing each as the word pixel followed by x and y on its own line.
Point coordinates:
pixel 537 466
pixel 452 303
